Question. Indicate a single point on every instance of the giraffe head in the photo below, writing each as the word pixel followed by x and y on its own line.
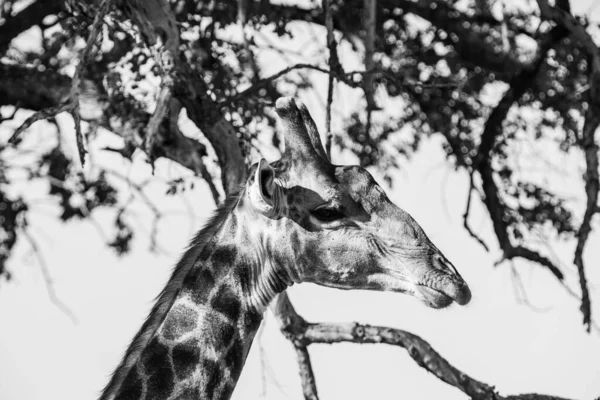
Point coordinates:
pixel 334 225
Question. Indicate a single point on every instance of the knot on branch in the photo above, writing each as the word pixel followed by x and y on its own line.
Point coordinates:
pixel 414 352
pixel 358 332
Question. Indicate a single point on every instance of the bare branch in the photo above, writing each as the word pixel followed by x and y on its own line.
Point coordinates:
pixel 139 189
pixel 562 16
pixel 328 133
pixel 592 185
pixel 38 116
pixel 265 81
pixel 309 386
pixel 297 330
pixel 511 252
pixel 292 325
pixel 333 62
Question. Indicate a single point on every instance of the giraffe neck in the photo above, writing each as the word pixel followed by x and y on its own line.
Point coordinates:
pixel 198 346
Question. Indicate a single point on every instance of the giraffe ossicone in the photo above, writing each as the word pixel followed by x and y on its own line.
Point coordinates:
pixel 299 219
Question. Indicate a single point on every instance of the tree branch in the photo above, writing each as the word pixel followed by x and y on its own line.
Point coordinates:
pixel 334 65
pixel 39 116
pixel 307 376
pixel 72 103
pixel 563 18
pixel 37 90
pixel 292 325
pixel 518 85
pixel 295 328
pixel 370 19
pixel 346 77
pixel 471 45
pixel 192 92
pixel 158 26
pixel 75 87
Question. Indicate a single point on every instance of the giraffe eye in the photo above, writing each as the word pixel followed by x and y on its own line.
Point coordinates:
pixel 327 214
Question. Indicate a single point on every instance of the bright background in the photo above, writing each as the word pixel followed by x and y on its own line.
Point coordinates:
pixel 498 339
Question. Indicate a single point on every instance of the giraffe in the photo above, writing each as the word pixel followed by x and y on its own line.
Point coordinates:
pixel 299 219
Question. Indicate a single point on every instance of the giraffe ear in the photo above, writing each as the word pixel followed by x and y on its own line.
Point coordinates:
pixel 261 191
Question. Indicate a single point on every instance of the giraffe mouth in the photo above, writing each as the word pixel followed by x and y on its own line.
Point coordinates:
pixel 443 297
pixel 433 297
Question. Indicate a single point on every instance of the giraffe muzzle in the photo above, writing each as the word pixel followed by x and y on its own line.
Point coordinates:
pixel 443 285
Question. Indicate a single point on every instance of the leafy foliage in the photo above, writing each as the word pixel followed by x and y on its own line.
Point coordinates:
pixel 439 67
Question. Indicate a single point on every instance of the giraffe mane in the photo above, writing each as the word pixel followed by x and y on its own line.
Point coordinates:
pixel 165 299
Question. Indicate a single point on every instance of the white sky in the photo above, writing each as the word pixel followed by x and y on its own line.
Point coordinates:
pixel 44 355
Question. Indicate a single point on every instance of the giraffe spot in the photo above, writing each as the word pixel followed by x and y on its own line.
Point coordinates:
pixel 131 389
pixel 155 360
pixel 228 390
pixel 226 302
pixel 253 319
pixel 213 376
pixel 186 357
pixel 181 320
pixel 234 358
pixel 225 332
pixel 198 284
pixel 188 394
pixel 224 256
pixel 160 384
pixel 156 355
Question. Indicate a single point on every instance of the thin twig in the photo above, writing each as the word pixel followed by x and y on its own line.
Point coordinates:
pixel 74 95
pixel 370 9
pixel 38 116
pixel 158 215
pixel 521 292
pixel 595 326
pixel 48 278
pixel 466 214
pixel 333 66
pixel 162 108
pixel 264 81
pixel 328 132
pixel 349 78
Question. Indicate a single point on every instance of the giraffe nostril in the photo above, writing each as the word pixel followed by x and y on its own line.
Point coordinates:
pixel 447 266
